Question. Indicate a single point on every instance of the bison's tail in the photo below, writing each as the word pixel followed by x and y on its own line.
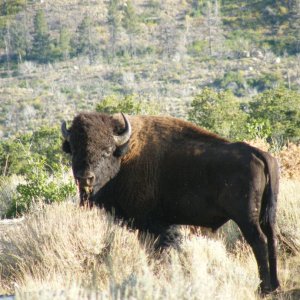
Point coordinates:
pixel 268 214
pixel 269 201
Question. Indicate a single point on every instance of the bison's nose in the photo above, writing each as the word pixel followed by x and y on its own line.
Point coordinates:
pixel 85 179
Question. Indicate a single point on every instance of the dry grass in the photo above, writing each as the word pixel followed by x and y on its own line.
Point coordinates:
pixel 64 252
pixel 289 158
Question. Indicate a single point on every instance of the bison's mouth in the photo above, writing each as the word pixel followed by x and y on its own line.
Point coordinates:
pixel 85 193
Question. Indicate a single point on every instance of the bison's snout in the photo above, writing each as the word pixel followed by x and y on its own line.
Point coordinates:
pixel 85 180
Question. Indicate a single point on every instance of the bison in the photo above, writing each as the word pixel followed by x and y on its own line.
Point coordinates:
pixel 161 172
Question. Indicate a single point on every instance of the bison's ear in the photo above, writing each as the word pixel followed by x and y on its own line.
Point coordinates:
pixel 121 150
pixel 66 147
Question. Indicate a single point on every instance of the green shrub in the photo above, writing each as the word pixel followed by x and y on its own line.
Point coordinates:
pixel 258 129
pixel 233 81
pixel 219 112
pixel 242 40
pixel 42 186
pixel 39 158
pixel 44 143
pixel 280 109
pixel 266 81
pixel 8 191
pixel 197 47
pixel 128 104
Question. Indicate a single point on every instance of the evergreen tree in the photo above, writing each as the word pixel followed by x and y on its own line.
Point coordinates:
pixel 197 5
pixel 168 37
pixel 8 9
pixel 114 20
pixel 294 24
pixel 19 40
pixel 213 28
pixel 7 44
pixel 41 46
pixel 130 23
pixel 81 40
pixel 84 42
pixel 64 43
pixel 11 7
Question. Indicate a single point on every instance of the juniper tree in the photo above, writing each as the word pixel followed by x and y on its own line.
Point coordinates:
pixel 114 20
pixel 130 23
pixel 294 24
pixel 84 41
pixel 41 45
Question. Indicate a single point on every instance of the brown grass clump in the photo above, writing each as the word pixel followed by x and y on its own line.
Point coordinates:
pixel 289 159
pixel 63 252
pixel 75 244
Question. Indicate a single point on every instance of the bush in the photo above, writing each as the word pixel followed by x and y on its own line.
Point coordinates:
pixel 197 48
pixel 266 81
pixel 219 112
pixel 38 157
pixel 85 250
pixel 233 81
pixel 41 186
pixel 43 144
pixel 279 110
pixel 128 104
pixel 8 191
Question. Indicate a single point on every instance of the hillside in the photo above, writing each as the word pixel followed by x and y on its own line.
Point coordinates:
pixel 60 57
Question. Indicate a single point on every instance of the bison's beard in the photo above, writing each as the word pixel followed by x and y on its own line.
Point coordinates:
pixel 85 194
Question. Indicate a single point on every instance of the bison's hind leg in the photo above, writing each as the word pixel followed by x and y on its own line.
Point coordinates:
pixel 269 231
pixel 258 242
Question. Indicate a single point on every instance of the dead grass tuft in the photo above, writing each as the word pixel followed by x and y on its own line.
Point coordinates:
pixel 289 159
pixel 61 251
pixel 64 252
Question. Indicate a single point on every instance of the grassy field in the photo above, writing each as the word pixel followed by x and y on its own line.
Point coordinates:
pixel 61 251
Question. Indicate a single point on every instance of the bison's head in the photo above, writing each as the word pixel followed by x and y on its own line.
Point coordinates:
pixel 96 143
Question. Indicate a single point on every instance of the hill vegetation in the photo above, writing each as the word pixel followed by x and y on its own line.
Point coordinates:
pixel 65 56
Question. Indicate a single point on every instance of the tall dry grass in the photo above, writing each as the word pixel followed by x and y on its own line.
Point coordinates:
pixel 63 252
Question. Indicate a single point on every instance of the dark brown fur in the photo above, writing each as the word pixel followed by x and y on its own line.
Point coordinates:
pixel 173 172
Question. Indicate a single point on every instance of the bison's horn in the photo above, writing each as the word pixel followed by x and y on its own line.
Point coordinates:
pixel 65 132
pixel 124 137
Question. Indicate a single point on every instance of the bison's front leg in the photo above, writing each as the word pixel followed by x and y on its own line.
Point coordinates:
pixel 170 237
pixel 165 235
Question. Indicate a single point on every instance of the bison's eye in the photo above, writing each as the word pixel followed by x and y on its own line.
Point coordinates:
pixel 107 152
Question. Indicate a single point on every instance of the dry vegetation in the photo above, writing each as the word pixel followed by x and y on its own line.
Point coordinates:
pixel 63 249
pixel 64 252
